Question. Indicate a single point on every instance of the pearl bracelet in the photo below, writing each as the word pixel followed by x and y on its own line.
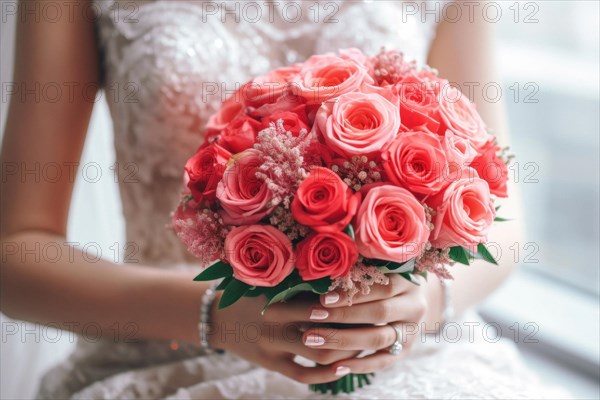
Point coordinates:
pixel 208 300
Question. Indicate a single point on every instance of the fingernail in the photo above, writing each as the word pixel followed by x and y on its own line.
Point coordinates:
pixel 341 371
pixel 319 314
pixel 332 298
pixel 314 340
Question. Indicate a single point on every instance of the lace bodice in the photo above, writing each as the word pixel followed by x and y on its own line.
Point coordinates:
pixel 168 64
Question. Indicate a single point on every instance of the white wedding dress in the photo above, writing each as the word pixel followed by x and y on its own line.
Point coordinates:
pixel 160 59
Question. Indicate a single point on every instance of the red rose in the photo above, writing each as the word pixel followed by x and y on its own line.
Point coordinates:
pixel 327 156
pixel 293 120
pixel 325 254
pixel 324 202
pixel 204 171
pixel 260 255
pixel 240 134
pixel 230 109
pixel 492 169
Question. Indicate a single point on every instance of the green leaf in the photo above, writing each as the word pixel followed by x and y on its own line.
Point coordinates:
pixel 396 267
pixel 497 207
pixel 320 286
pixel 411 278
pixel 459 254
pixel 255 291
pixel 287 294
pixel 215 271
pixel 500 219
pixel 280 294
pixel 375 262
pixel 349 230
pixel 485 254
pixel 233 292
pixel 224 283
pixel 291 280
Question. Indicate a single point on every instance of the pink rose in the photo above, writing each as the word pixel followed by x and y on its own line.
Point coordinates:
pixel 391 224
pixel 326 254
pixel 204 170
pixel 492 169
pixel 260 255
pixel 358 123
pixel 416 161
pixel 240 134
pixel 244 198
pixel 324 202
pixel 294 120
pixel 464 212
pixel 459 151
pixel 460 116
pixel 355 54
pixel 323 77
pixel 269 88
pixel 419 105
pixel 283 104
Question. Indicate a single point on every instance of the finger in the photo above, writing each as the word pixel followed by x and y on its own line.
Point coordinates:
pixel 400 308
pixel 308 375
pixel 367 338
pixel 320 356
pixel 371 363
pixel 396 285
pixel 290 312
pixel 408 306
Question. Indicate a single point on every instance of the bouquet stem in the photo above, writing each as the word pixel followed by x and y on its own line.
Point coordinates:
pixel 346 384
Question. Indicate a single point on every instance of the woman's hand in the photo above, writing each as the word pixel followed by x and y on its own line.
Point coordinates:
pixel 401 303
pixel 273 340
pixel 300 327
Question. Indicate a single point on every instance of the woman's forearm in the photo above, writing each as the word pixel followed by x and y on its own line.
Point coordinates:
pixel 72 292
pixel 144 302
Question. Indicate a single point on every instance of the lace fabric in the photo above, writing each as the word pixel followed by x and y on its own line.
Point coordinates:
pixel 168 64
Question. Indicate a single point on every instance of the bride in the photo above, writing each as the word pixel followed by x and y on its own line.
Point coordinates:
pixel 165 66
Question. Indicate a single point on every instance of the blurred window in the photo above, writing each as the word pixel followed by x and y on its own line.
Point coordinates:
pixel 549 55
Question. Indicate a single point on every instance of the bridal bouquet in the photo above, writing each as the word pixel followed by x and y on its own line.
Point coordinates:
pixel 332 173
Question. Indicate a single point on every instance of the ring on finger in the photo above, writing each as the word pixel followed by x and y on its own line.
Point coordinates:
pixel 396 348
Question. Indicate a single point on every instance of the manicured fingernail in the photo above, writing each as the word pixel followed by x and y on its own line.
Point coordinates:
pixel 314 340
pixel 319 314
pixel 341 371
pixel 332 298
